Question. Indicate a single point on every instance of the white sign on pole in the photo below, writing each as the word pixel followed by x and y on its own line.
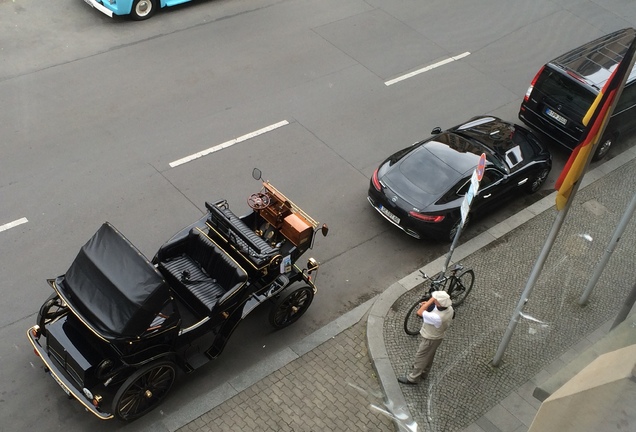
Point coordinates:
pixel 474 187
pixel 465 208
pixel 470 194
pixel 474 182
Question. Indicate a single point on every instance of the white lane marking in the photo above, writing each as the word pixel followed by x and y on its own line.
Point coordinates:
pixel 427 68
pixel 15 223
pixel 228 143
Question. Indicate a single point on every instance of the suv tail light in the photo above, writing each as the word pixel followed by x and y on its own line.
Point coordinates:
pixel 534 81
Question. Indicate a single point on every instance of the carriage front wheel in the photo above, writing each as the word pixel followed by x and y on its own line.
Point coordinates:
pixel 290 306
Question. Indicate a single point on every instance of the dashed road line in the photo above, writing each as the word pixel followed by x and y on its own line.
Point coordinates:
pixel 228 144
pixel 13 224
pixel 426 69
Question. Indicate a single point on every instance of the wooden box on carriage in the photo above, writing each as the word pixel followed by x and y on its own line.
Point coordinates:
pixel 278 209
pixel 297 230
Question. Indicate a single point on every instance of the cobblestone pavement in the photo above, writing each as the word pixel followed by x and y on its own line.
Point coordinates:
pixel 331 388
pixel 462 385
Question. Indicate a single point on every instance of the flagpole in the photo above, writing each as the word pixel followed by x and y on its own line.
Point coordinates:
pixel 568 183
pixel 538 267
pixel 618 232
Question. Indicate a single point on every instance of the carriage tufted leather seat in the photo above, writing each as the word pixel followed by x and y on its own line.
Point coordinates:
pixel 203 274
pixel 253 247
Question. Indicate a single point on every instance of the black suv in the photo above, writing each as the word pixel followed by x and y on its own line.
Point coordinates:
pixel 564 89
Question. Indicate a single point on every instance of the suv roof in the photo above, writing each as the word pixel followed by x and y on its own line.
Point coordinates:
pixel 594 62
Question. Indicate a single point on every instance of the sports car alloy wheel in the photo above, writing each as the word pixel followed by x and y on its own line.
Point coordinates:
pixel 603 148
pixel 538 181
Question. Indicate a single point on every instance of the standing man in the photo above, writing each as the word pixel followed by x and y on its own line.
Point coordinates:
pixel 437 314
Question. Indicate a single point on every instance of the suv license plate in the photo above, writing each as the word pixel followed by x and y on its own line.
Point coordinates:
pixel 556 116
pixel 390 215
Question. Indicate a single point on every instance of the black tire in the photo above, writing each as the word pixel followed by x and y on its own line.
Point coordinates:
pixel 412 321
pixel 144 390
pixel 537 181
pixel 603 147
pixel 143 9
pixel 51 309
pixel 290 306
pixel 459 290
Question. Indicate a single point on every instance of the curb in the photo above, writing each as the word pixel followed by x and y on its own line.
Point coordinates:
pixel 384 301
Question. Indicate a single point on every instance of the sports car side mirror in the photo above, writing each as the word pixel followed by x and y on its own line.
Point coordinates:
pixel 324 230
pixel 436 131
pixel 257 174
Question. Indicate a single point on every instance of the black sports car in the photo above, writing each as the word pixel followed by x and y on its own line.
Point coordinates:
pixel 420 189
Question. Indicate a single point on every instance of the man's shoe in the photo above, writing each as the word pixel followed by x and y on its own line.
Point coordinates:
pixel 405 380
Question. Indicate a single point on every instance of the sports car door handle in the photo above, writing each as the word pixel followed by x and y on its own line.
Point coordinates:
pixel 522 181
pixel 486 196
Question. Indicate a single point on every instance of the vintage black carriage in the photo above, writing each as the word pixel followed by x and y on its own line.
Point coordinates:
pixel 118 327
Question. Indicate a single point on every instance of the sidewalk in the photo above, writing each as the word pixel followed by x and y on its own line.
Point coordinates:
pixel 335 380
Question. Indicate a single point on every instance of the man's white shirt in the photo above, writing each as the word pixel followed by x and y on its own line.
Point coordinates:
pixel 432 318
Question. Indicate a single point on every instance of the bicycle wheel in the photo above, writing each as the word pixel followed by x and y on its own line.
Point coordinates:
pixel 413 322
pixel 461 286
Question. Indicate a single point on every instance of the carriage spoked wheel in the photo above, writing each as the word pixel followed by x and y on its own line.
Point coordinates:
pixel 258 201
pixel 290 306
pixel 144 390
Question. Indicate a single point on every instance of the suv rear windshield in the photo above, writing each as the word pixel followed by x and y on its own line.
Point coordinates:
pixel 558 89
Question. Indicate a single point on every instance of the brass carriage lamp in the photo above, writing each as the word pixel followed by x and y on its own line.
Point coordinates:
pixel 312 265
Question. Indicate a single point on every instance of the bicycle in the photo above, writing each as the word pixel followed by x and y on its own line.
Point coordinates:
pixel 458 286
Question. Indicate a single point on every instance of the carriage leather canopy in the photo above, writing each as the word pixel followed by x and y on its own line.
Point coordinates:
pixel 113 286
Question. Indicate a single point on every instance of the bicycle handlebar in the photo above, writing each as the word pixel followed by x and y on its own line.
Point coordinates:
pixel 441 276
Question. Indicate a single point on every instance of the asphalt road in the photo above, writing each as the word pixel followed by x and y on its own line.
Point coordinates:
pixel 94 110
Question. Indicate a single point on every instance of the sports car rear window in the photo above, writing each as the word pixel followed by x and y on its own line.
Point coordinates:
pixel 427 172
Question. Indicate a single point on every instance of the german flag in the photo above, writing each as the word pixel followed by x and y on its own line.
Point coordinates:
pixel 595 121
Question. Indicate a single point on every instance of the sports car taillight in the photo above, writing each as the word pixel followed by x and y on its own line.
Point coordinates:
pixel 376 181
pixel 534 81
pixel 426 218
